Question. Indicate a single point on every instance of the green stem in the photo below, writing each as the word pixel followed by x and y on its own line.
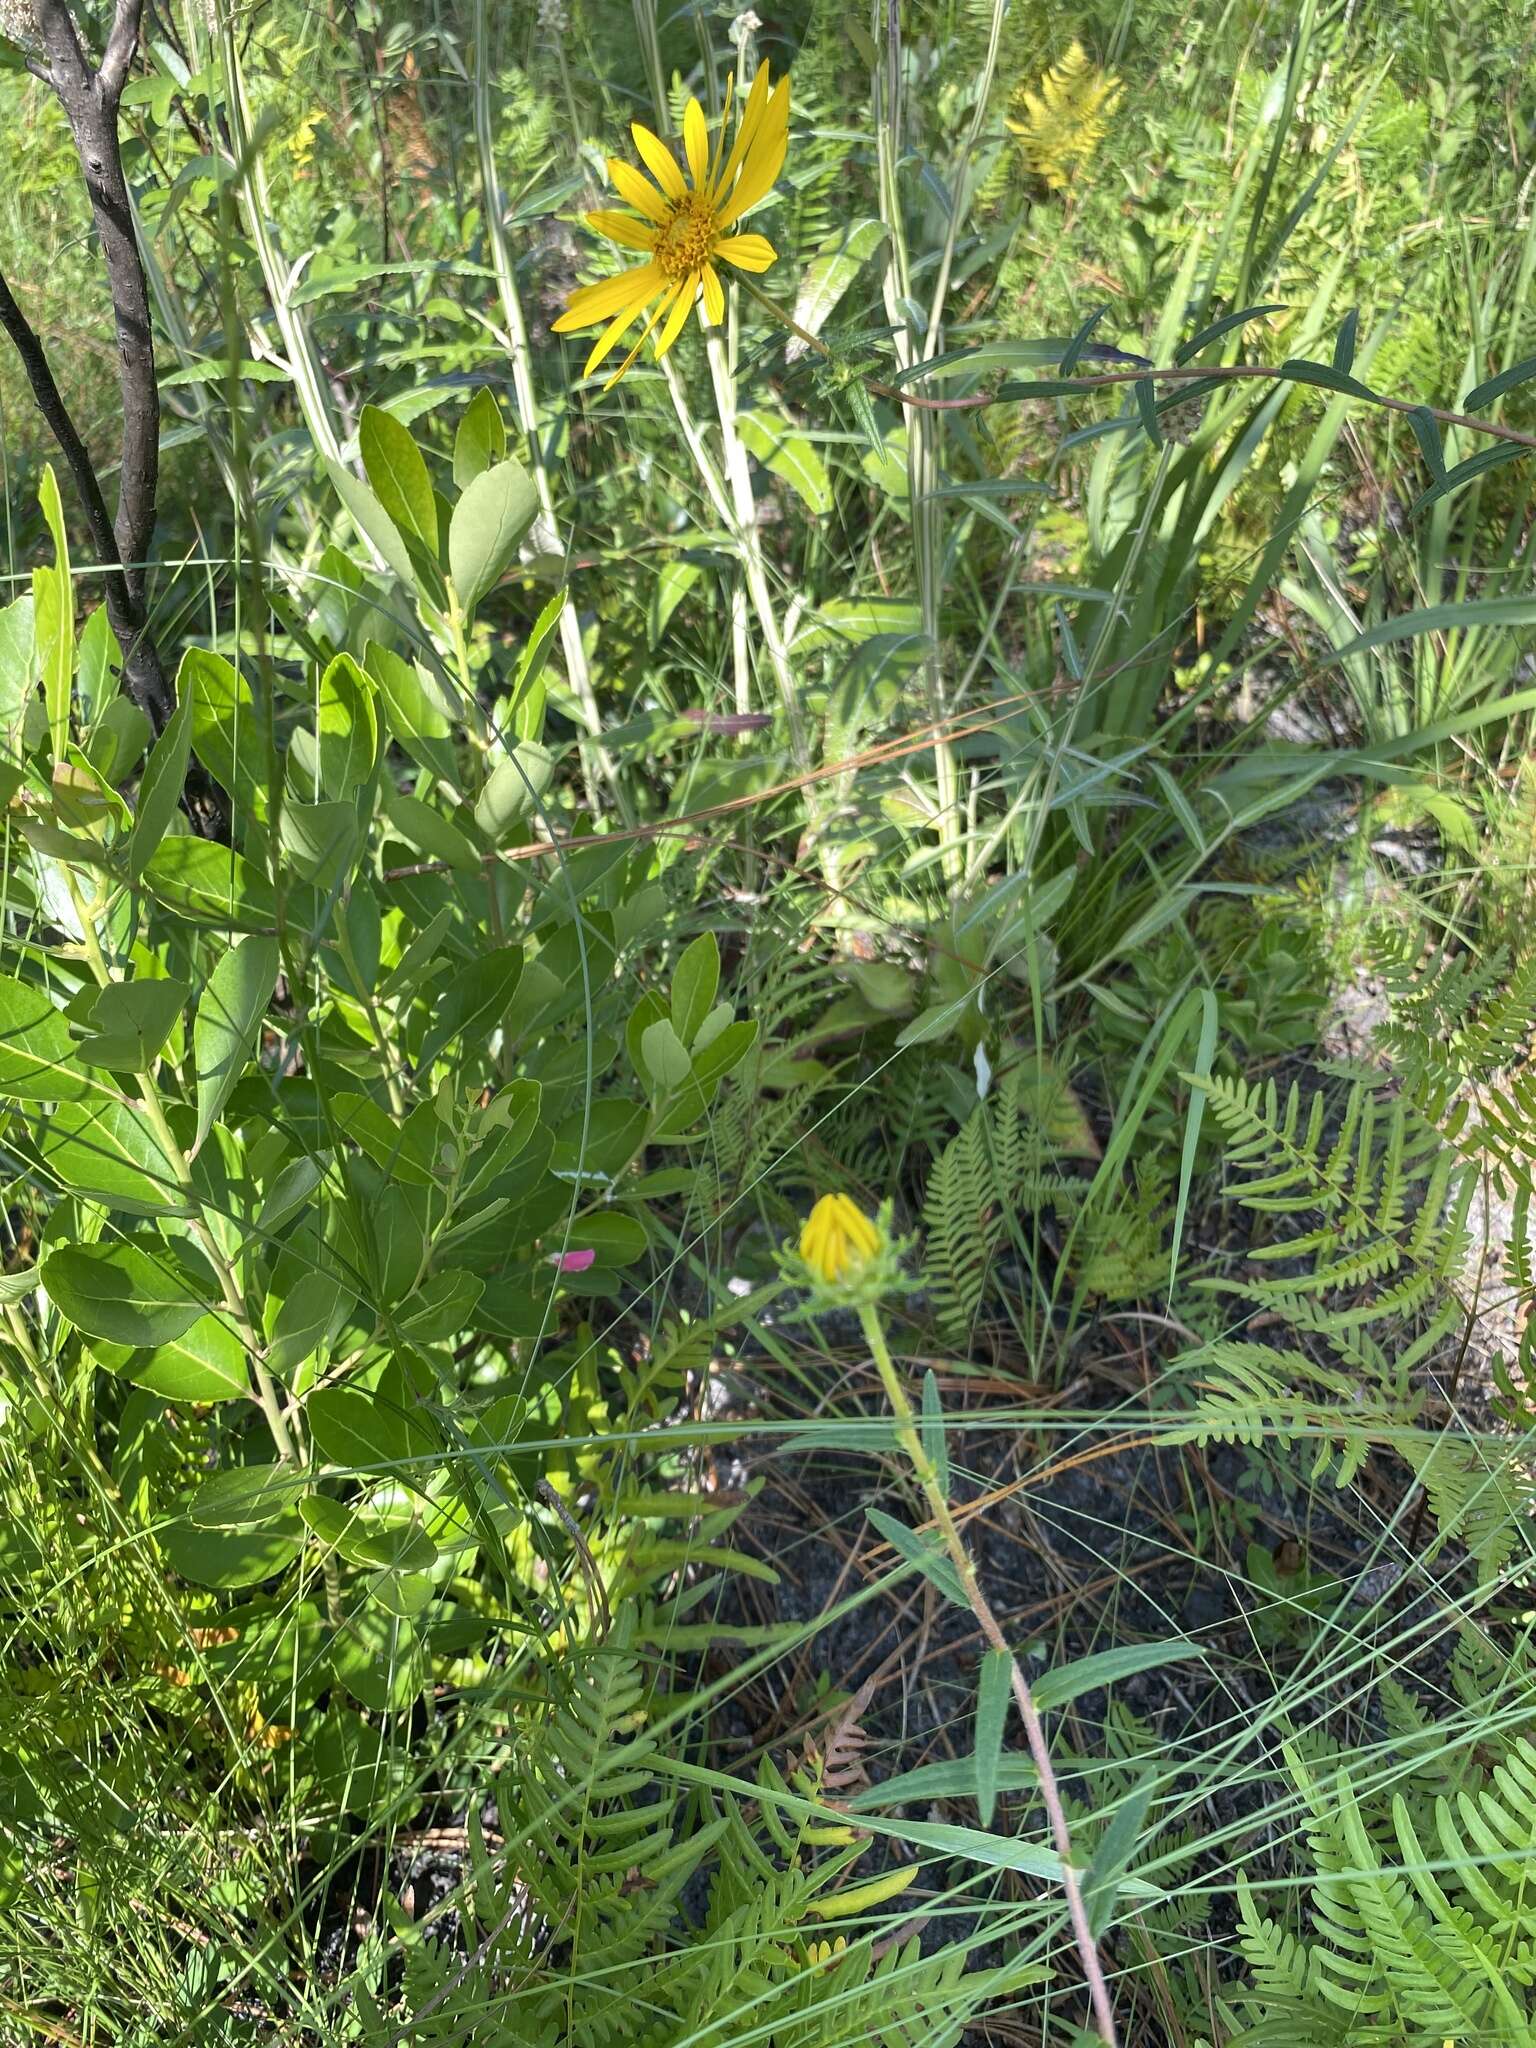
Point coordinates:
pixel 749 539
pixel 159 1123
pixel 1034 1730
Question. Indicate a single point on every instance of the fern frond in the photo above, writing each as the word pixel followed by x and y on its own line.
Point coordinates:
pixel 1060 126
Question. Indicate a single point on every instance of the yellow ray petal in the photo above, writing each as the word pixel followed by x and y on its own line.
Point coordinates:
pixel 594 303
pixel 659 161
pixel 764 159
pixel 696 144
pixel 751 116
pixel 714 295
pixel 725 128
pixel 661 306
pixel 637 191
pixel 610 338
pixel 624 229
pixel 676 317
pixel 748 252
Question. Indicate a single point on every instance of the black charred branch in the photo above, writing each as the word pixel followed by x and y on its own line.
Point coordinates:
pixel 90 97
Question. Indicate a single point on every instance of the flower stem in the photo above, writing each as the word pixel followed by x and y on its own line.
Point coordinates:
pixel 1034 1731
pixel 749 539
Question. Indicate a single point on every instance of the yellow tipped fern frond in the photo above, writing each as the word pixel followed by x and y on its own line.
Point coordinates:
pixel 1060 126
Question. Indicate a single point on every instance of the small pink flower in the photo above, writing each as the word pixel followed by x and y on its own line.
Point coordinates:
pixel 572 1262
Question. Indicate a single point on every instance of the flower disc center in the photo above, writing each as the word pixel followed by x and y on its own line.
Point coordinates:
pixel 683 247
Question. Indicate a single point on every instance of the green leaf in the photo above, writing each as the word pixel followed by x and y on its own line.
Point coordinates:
pixel 1146 405
pixel 954 1778
pixel 1205 1052
pixel 108 1149
pixel 320 841
pixel 307 1317
pixel 228 1023
pixel 1117 1845
pixel 724 1050
pixel 694 983
pixel 205 1362
pixel 165 775
pixel 1426 431
pixel 247 1496
pixel 348 729
pixel 488 522
pixel 481 439
pixel 210 884
pixel 514 790
pixel 665 1055
pixel 1344 342
pixel 1087 1674
pixel 935 1436
pixel 225 735
pixel 1495 387
pixel 673 582
pixel 441 1308
pixel 130 1021
pixel 1464 472
pixel 131 1292
pixel 229 1558
pixel 54 593
pixel 372 521
pixel 1297 370
pixel 994 1689
pixel 789 455
pixel 923 1551
pixel 357 1428
pixel 618 1239
pixel 428 832
pixel 1225 325
pixel 397 470
pixel 1442 618
pixel 416 711
pixel 18 664
pixel 527 690
pixel 37 1053
pixel 829 273
pixel 475 1001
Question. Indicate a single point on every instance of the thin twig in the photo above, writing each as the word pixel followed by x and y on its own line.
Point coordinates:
pixel 1034 1729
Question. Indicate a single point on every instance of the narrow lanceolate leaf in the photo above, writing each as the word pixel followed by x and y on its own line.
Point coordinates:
pixel 488 522
pixel 1426 431
pixel 1442 618
pixel 1205 1052
pixel 1463 472
pixel 1495 387
pixel 165 773
pixel 935 1436
pixel 1087 1674
pixel 228 1019
pixel 54 592
pixel 923 1551
pixel 1344 342
pixel 1118 1845
pixel 993 1689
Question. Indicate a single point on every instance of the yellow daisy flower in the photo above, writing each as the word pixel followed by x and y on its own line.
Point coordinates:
pixel 839 1240
pixel 682 228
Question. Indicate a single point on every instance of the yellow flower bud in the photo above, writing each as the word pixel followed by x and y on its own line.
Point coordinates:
pixel 839 1240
